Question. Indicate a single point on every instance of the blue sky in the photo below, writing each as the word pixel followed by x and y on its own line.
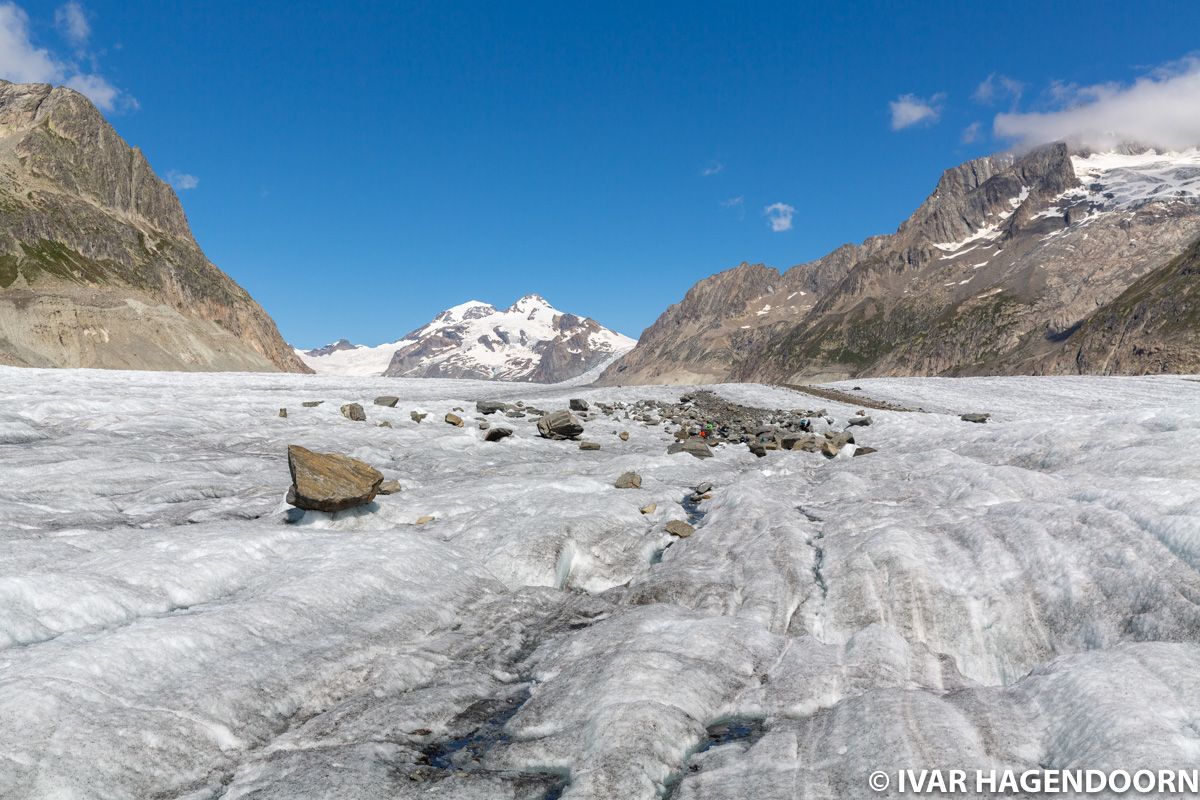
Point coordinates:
pixel 359 167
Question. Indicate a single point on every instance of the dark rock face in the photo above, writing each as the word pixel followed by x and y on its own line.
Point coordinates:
pixel 330 481
pixel 1011 266
pixel 559 425
pixel 98 267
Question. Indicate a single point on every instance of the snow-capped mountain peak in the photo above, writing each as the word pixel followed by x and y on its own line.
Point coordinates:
pixel 530 340
pixel 472 309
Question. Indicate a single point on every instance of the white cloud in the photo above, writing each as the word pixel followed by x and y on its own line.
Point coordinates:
pixel 182 180
pixel 712 168
pixel 22 61
pixel 909 110
pixel 996 88
pixel 72 23
pixel 779 216
pixel 1161 110
pixel 971 132
pixel 734 202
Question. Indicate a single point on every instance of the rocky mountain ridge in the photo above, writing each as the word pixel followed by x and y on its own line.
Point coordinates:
pixel 529 341
pixel 98 266
pixel 995 273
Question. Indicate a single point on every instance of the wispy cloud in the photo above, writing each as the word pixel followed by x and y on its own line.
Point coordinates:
pixel 1160 109
pixel 997 88
pixel 712 168
pixel 182 180
pixel 779 216
pixel 971 132
pixel 737 205
pixel 23 61
pixel 909 110
pixel 72 23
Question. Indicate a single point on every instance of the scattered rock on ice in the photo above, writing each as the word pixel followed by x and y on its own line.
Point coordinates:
pixel 860 450
pixel 859 420
pixel 696 447
pixel 578 405
pixel 354 411
pixel 649 508
pixel 490 406
pixel 417 416
pixel 330 481
pixel 283 413
pixel 390 487
pixel 975 417
pixel 623 436
pixel 388 400
pixel 628 480
pixel 496 434
pixel 589 445
pixel 424 519
pixel 678 527
pixel 454 419
pixel 312 403
pixel 559 425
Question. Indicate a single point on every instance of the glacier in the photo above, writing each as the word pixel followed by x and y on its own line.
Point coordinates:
pixel 1020 594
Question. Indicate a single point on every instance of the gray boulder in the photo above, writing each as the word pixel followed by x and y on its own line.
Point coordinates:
pixel 496 434
pixel 696 447
pixel 354 411
pixel 980 418
pixel 387 400
pixel 559 425
pixel 577 404
pixel 490 406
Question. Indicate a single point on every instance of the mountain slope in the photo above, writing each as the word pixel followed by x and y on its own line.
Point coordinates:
pixel 994 273
pixel 98 267
pixel 1151 327
pixel 529 341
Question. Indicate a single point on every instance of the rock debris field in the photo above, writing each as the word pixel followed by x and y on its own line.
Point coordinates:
pixel 597 603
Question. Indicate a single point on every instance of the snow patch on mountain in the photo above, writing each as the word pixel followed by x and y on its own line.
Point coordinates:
pixel 1119 181
pixel 356 360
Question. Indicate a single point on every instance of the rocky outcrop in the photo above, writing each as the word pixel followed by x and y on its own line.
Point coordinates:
pixel 1001 270
pixel 1151 327
pixel 98 267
